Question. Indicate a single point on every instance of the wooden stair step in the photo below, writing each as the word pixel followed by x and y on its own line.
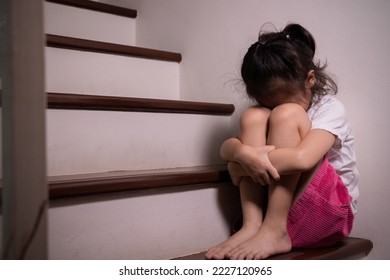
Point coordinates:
pixel 350 248
pixel 113 103
pixel 121 181
pixel 71 186
pixel 57 41
pixel 98 6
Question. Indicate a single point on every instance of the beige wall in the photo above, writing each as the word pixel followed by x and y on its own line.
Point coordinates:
pixel 351 35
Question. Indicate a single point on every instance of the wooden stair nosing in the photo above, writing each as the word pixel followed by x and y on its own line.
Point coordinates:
pixel 58 41
pixel 114 103
pixel 98 6
pixel 350 248
pixel 61 187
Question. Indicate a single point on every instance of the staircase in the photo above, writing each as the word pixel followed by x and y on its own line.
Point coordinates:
pixel 134 171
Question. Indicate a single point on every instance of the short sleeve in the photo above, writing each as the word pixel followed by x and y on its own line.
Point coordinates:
pixel 330 115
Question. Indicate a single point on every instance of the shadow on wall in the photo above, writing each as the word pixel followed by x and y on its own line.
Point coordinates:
pixel 149 224
pixel 228 200
pixel 215 137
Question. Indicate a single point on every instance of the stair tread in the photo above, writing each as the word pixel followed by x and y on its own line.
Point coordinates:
pixel 98 6
pixel 119 181
pixel 58 41
pixel 350 248
pixel 116 103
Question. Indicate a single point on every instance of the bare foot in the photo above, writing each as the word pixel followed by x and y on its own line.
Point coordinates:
pixel 265 243
pixel 219 251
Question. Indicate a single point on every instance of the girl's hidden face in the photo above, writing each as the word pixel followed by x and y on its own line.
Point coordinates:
pixel 300 97
pixel 280 92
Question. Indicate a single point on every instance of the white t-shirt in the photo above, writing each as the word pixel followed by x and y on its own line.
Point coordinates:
pixel 329 114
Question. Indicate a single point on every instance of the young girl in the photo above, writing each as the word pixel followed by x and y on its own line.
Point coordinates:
pixel 294 160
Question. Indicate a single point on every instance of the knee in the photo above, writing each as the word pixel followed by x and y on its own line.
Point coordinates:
pixel 288 113
pixel 255 116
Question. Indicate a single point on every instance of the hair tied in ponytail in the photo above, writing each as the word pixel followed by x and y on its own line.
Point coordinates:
pixel 285 35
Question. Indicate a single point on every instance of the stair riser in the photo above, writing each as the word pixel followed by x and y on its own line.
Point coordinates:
pixel 91 141
pixel 113 75
pixel 114 227
pixel 87 24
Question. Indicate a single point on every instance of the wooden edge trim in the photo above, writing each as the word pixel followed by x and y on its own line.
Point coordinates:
pixel 350 248
pixel 112 103
pixel 98 6
pixel 111 184
pixel 57 41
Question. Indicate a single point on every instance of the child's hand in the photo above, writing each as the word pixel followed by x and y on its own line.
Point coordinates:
pixel 256 163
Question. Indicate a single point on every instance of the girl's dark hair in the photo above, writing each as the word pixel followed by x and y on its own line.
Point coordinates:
pixel 283 60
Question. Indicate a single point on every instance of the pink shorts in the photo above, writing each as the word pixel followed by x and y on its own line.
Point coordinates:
pixel 322 216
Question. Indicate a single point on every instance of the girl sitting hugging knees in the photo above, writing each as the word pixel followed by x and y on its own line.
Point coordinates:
pixel 294 160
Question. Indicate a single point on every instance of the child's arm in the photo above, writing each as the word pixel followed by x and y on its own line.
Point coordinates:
pixel 306 155
pixel 258 162
pixel 233 150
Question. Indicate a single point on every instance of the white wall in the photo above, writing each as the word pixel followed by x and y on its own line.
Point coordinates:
pixel 150 224
pixel 352 35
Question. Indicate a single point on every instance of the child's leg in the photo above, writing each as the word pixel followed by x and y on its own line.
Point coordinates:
pixel 288 125
pixel 253 129
pixel 253 132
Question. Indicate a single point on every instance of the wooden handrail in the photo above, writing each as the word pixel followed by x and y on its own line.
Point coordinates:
pixel 111 182
pixel 57 41
pixel 132 104
pixel 98 6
